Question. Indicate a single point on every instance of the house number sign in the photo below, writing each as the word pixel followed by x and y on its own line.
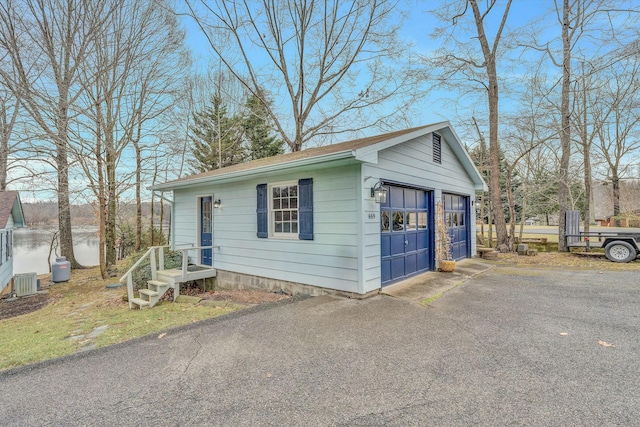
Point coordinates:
pixel 372 215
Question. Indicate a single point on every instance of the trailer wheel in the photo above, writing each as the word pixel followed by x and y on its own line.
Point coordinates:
pixel 620 251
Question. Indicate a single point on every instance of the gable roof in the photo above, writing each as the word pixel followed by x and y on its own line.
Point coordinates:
pixel 362 149
pixel 10 205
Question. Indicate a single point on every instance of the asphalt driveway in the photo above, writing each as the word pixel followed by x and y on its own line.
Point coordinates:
pixel 508 347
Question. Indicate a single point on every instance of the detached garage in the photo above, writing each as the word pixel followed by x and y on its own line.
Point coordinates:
pixel 349 218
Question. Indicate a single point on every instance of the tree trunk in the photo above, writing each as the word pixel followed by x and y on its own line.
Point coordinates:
pixel 493 95
pixel 102 218
pixel 151 230
pixel 522 218
pixel 586 158
pixel 494 154
pixel 615 181
pixel 7 123
pixel 512 210
pixel 102 205
pixel 588 189
pixel 490 225
pixel 64 206
pixel 161 231
pixel 153 182
pixel 138 150
pixel 169 227
pixel 482 168
pixel 565 134
pixel 4 156
pixel 138 197
pixel 111 236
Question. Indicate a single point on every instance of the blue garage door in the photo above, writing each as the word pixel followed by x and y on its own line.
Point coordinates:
pixel 456 213
pixel 405 234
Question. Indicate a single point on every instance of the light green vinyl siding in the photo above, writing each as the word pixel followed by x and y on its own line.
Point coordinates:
pixel 330 260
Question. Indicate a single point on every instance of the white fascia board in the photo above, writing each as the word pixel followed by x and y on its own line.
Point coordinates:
pixel 370 157
pixel 465 159
pixel 251 172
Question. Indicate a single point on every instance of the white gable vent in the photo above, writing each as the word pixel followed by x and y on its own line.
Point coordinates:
pixel 437 149
pixel 25 284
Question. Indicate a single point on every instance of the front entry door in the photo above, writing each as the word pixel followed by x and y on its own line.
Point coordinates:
pixel 404 234
pixel 206 229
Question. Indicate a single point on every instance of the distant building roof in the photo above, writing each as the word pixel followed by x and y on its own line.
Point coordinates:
pixel 10 205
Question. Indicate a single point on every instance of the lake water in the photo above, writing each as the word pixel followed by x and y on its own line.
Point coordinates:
pixel 31 247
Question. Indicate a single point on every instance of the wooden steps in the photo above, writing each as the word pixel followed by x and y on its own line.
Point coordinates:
pixel 156 283
pixel 141 303
pixel 150 296
pixel 148 292
pixel 163 279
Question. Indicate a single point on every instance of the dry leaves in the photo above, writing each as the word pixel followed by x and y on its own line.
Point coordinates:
pixel 597 262
pixel 162 335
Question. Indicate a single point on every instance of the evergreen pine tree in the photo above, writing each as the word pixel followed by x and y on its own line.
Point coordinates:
pixel 257 131
pixel 216 137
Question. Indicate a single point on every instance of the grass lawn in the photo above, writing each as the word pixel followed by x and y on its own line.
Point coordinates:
pixel 84 305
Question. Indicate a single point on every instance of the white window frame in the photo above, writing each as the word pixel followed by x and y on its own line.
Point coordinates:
pixel 272 217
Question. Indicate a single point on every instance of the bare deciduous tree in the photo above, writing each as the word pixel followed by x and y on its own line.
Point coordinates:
pixel 586 110
pixel 46 42
pixel 617 120
pixel 482 70
pixel 583 35
pixel 330 63
pixel 131 80
pixel 528 132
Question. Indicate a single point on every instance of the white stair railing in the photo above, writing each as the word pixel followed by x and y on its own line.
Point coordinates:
pixel 157 264
pixel 151 254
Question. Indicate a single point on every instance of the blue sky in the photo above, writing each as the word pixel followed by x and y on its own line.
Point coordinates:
pixel 416 30
pixel 438 104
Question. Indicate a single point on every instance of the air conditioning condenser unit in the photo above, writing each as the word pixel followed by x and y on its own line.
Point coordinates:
pixel 25 284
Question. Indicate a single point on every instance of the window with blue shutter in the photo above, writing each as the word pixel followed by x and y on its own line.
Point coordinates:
pixel 285 210
pixel 262 211
pixel 305 208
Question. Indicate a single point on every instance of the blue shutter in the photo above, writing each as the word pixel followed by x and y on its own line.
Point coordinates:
pixel 262 211
pixel 305 208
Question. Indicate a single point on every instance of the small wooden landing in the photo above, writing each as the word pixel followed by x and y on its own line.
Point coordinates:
pixel 194 272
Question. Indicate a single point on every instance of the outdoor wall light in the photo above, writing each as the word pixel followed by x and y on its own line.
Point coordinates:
pixel 379 193
pixel 216 203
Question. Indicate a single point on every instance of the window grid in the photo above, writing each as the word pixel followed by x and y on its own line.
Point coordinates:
pixel 284 207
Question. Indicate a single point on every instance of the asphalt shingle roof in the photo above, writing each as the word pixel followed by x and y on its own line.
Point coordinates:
pixel 300 155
